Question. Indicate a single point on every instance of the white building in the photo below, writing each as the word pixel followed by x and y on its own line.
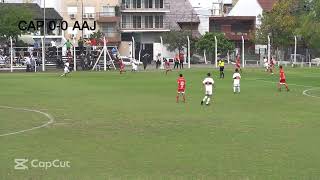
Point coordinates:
pixel 207 8
pixel 252 8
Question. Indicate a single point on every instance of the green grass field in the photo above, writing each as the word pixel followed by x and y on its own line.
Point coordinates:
pixel 112 126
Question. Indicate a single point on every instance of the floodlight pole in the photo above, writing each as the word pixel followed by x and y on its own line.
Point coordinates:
pixel 161 57
pixel 216 51
pixel 228 57
pixel 133 48
pixel 242 52
pixel 295 49
pixel 11 59
pixel 74 55
pixel 269 48
pixel 44 36
pixel 205 56
pixel 104 54
pixel 189 58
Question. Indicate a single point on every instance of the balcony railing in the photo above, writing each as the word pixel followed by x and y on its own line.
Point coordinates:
pixel 143 7
pixel 237 35
pixel 145 27
pixel 107 17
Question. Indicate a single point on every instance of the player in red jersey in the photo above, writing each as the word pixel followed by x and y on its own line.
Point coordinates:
pixel 282 79
pixel 122 66
pixel 167 66
pixel 238 63
pixel 181 88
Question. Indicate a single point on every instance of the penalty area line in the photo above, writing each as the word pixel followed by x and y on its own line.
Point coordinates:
pixel 48 116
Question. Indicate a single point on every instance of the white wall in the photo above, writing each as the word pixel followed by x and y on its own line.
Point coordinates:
pixel 247 8
pixel 204 10
pixel 125 48
pixel 166 52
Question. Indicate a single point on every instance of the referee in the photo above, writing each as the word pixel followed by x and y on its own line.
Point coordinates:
pixel 221 66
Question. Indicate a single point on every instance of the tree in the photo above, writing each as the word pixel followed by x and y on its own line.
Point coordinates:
pixel 207 42
pixel 98 36
pixel 177 40
pixel 9 21
pixel 310 24
pixel 281 23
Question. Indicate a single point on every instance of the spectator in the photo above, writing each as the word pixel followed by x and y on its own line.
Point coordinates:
pixel 158 62
pixel 114 52
pixel 81 45
pixel 145 58
pixel 176 62
pixel 68 45
pixel 181 58
pixel 93 43
pixel 28 63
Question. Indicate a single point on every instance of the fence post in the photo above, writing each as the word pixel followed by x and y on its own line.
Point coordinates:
pixel 269 49
pixel 43 54
pixel 205 57
pixel 242 52
pixel 216 51
pixel 74 55
pixel 189 58
pixel 11 58
pixel 104 54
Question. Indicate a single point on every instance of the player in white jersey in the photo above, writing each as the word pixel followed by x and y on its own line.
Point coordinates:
pixel 134 66
pixel 236 81
pixel 266 64
pixel 208 83
pixel 66 69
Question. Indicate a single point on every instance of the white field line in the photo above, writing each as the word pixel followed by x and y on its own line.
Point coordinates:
pixel 50 118
pixel 305 92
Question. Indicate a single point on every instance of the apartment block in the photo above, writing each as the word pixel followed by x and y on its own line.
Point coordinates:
pixel 105 13
pixel 144 20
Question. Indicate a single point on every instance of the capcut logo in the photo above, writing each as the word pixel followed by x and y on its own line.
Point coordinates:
pixel 25 164
pixel 20 164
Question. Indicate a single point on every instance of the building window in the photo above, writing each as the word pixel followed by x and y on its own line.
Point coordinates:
pixel 136 22
pixel 108 29
pixel 126 3
pixel 108 11
pixel 158 21
pixel 148 21
pixel 124 21
pixel 159 3
pixel 136 3
pixel 148 3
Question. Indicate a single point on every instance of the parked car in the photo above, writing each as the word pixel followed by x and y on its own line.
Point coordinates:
pixel 315 61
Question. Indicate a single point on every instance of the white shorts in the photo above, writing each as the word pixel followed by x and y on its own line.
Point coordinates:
pixel 236 85
pixel 209 92
pixel 66 71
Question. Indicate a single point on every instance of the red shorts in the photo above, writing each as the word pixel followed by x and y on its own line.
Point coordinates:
pixel 181 90
pixel 282 81
pixel 238 65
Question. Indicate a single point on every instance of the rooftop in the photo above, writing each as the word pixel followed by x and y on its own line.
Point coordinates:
pixel 267 5
pixel 51 13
